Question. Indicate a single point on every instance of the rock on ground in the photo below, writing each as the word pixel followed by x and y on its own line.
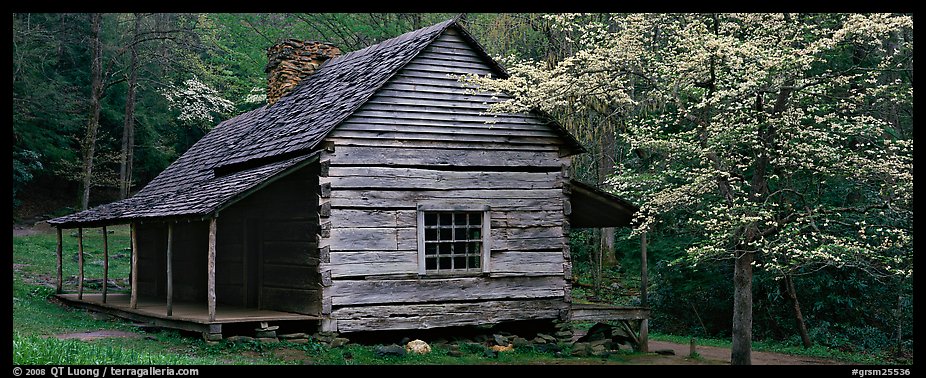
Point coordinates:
pixel 389 350
pixel 418 347
pixel 338 342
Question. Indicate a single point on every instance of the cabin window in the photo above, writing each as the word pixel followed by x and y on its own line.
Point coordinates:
pixel 453 240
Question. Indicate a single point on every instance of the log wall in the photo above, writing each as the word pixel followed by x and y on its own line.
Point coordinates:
pixel 423 140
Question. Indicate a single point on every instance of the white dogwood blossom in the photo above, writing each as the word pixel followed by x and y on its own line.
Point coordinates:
pixel 774 132
pixel 196 101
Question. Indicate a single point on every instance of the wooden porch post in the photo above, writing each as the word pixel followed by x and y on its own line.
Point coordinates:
pixel 80 263
pixel 133 301
pixel 105 263
pixel 644 302
pixel 170 270
pixel 211 270
pixel 58 287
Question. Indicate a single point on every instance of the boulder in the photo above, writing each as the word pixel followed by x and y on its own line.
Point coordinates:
pixel 290 336
pixel 546 337
pixel 239 339
pixel 269 340
pixel 563 334
pixel 520 342
pixel 260 334
pixel 602 342
pixel 338 342
pixel 389 350
pixel 580 349
pixel 500 340
pixel 599 350
pixel 417 347
pixel 502 348
pixel 324 337
pixel 539 340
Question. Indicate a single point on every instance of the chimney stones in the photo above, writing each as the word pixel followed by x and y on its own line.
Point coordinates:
pixel 292 60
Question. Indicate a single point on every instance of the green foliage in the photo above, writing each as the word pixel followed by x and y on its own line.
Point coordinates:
pixel 838 162
pixel 767 136
pixel 25 163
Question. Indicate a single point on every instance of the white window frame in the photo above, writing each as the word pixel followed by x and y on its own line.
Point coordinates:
pixel 486 235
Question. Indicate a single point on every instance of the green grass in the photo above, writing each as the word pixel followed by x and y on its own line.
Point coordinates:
pixel 34 350
pixel 778 347
pixel 36 256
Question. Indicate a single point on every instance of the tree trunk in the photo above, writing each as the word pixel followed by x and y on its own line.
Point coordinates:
pixel 88 145
pixel 605 170
pixel 899 315
pixel 608 255
pixel 128 129
pixel 801 326
pixel 741 350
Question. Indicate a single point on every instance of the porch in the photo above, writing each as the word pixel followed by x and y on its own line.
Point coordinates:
pixel 189 316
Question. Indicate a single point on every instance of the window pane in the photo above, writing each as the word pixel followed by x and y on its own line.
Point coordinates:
pixel 446 219
pixel 459 248
pixel 430 248
pixel 446 234
pixel 459 262
pixel 475 233
pixel 474 248
pixel 475 219
pixel 430 234
pixel 444 263
pixel 459 233
pixel 474 261
pixel 459 218
pixel 430 219
pixel 444 249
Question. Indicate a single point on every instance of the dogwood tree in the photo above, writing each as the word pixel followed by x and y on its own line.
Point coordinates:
pixel 786 138
pixel 196 101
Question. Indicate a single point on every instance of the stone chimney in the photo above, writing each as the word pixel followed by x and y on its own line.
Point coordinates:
pixel 292 60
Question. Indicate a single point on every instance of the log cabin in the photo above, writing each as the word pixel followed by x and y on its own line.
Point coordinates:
pixel 373 192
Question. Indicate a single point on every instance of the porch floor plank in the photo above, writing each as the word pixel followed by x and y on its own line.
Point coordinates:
pixel 182 311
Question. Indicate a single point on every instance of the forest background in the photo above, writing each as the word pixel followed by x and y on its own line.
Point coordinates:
pixel 771 155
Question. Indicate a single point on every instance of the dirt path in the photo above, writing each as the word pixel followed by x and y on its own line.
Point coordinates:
pixel 722 355
pixel 37 228
pixel 93 335
pixel 24 231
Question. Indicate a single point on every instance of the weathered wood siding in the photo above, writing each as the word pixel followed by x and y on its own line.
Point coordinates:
pixel 422 139
pixel 280 221
pixel 151 254
pixel 189 265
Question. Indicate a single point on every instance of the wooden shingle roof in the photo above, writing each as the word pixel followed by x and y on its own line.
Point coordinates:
pixel 244 151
